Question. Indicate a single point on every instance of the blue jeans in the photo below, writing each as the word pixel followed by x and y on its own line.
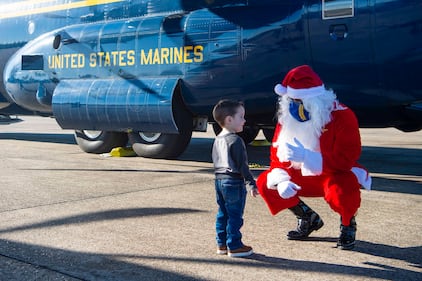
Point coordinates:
pixel 231 198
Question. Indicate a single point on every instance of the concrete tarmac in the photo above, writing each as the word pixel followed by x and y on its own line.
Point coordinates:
pixel 69 215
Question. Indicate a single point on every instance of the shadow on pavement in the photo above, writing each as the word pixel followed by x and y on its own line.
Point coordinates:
pixel 71 265
pixel 412 255
pixel 103 216
pixel 39 137
pixel 92 266
pixel 392 160
pixel 400 169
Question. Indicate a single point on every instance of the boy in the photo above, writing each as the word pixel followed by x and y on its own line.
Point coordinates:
pixel 231 174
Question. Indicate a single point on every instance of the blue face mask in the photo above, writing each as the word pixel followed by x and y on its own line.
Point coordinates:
pixel 298 111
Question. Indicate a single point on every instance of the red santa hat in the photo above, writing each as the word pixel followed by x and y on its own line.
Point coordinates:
pixel 300 82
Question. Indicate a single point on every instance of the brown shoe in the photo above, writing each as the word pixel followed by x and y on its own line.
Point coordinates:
pixel 222 250
pixel 243 251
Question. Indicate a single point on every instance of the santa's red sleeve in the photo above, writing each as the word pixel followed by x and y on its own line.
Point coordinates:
pixel 341 147
pixel 340 142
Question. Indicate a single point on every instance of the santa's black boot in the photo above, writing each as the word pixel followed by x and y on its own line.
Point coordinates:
pixel 307 221
pixel 346 241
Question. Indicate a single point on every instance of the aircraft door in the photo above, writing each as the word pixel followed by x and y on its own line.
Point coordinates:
pixel 340 46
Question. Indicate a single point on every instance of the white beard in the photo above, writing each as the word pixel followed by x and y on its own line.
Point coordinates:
pixel 309 132
pixel 302 131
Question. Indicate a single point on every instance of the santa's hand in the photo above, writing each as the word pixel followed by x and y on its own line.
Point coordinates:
pixel 275 176
pixel 287 189
pixel 295 153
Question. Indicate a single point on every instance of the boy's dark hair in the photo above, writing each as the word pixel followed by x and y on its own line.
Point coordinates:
pixel 225 108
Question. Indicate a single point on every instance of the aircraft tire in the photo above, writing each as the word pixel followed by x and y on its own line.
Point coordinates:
pixel 268 134
pixel 248 134
pixel 165 146
pixel 159 145
pixel 100 141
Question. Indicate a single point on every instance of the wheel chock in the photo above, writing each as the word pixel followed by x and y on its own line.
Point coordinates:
pixel 122 152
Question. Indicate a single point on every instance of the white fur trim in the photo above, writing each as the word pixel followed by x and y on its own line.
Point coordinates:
pixel 276 176
pixel 363 177
pixel 280 89
pixel 305 93
pixel 312 165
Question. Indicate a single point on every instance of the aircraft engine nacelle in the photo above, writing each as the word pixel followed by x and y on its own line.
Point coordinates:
pixel 116 104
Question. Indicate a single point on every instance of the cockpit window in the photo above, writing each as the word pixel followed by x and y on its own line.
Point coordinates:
pixel 332 9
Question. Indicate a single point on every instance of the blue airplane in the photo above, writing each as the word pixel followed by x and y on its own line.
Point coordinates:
pixel 151 70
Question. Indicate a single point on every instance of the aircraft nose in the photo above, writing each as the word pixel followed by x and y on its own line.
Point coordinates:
pixel 25 81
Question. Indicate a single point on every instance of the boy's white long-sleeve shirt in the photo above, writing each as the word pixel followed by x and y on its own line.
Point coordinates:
pixel 230 158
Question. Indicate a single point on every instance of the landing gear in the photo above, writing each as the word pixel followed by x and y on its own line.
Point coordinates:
pixel 99 141
pixel 161 145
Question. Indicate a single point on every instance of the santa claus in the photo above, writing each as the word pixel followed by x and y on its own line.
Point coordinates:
pixel 314 153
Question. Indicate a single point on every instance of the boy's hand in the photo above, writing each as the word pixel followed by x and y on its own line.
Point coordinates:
pixel 254 192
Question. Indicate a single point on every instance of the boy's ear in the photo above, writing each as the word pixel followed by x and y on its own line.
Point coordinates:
pixel 228 119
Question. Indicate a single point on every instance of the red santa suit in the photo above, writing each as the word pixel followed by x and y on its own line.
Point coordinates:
pixel 329 165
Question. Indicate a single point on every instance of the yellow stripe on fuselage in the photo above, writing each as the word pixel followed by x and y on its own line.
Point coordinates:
pixel 25 8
